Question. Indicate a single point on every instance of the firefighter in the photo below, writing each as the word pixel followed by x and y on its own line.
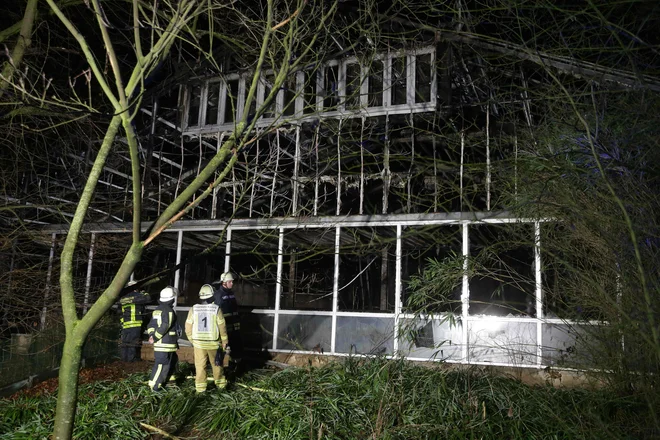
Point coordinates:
pixel 205 327
pixel 133 312
pixel 225 299
pixel 164 333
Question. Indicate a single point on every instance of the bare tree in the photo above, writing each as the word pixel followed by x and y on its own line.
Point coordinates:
pixel 279 30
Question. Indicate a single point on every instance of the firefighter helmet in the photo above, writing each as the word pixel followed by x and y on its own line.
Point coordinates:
pixel 206 291
pixel 168 294
pixel 131 283
pixel 227 276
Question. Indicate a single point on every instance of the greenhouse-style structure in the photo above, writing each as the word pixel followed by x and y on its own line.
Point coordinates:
pixel 394 198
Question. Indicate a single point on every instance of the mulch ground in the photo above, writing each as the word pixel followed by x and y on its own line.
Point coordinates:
pixel 113 371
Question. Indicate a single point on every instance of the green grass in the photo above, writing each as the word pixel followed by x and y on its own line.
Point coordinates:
pixel 353 399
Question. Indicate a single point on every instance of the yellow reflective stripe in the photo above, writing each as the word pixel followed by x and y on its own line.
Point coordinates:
pixel 206 345
pixel 158 335
pixel 152 382
pixel 132 324
pixel 164 344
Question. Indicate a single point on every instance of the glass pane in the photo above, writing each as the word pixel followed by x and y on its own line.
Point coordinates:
pixel 353 86
pixel 254 263
pixel 432 269
pixel 375 84
pixel 362 335
pixel 253 103
pixel 257 330
pixel 423 75
pixel 308 272
pixel 502 342
pixel 212 103
pixel 230 101
pixel 193 107
pixel 331 88
pixel 289 90
pixel 502 270
pixel 568 293
pixel 399 80
pixel 310 92
pixel 268 86
pixel 436 339
pixel 367 265
pixel 580 345
pixel 301 332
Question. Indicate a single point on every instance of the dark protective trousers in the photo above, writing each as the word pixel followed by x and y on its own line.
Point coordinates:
pixel 164 364
pixel 131 344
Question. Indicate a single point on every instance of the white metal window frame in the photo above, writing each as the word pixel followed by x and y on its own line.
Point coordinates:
pixel 340 112
pixel 397 315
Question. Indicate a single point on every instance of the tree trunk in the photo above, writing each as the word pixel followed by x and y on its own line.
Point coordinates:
pixel 67 393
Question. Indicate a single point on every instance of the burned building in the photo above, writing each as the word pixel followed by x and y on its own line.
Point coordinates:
pixel 376 165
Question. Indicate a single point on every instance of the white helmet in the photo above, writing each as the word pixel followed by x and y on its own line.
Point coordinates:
pixel 131 283
pixel 227 276
pixel 168 294
pixel 206 291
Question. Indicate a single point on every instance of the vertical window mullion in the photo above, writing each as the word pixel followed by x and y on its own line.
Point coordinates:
pixel 320 77
pixel 279 98
pixel 335 292
pixel 278 286
pixel 538 292
pixel 177 273
pixel 240 99
pixel 261 90
pixel 398 305
pixel 410 79
pixel 387 79
pixel 187 96
pixel 341 93
pixel 434 80
pixel 202 103
pixel 465 295
pixel 222 103
pixel 364 86
pixel 300 94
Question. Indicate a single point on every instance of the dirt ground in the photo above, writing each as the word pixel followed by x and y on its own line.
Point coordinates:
pixel 112 371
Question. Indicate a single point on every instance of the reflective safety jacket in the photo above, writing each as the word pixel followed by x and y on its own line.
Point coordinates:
pixel 163 327
pixel 132 308
pixel 227 301
pixel 205 326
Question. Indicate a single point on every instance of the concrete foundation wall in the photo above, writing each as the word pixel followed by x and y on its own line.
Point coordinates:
pixel 531 376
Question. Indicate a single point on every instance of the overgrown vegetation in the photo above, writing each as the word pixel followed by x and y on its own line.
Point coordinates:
pixel 590 172
pixel 356 398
